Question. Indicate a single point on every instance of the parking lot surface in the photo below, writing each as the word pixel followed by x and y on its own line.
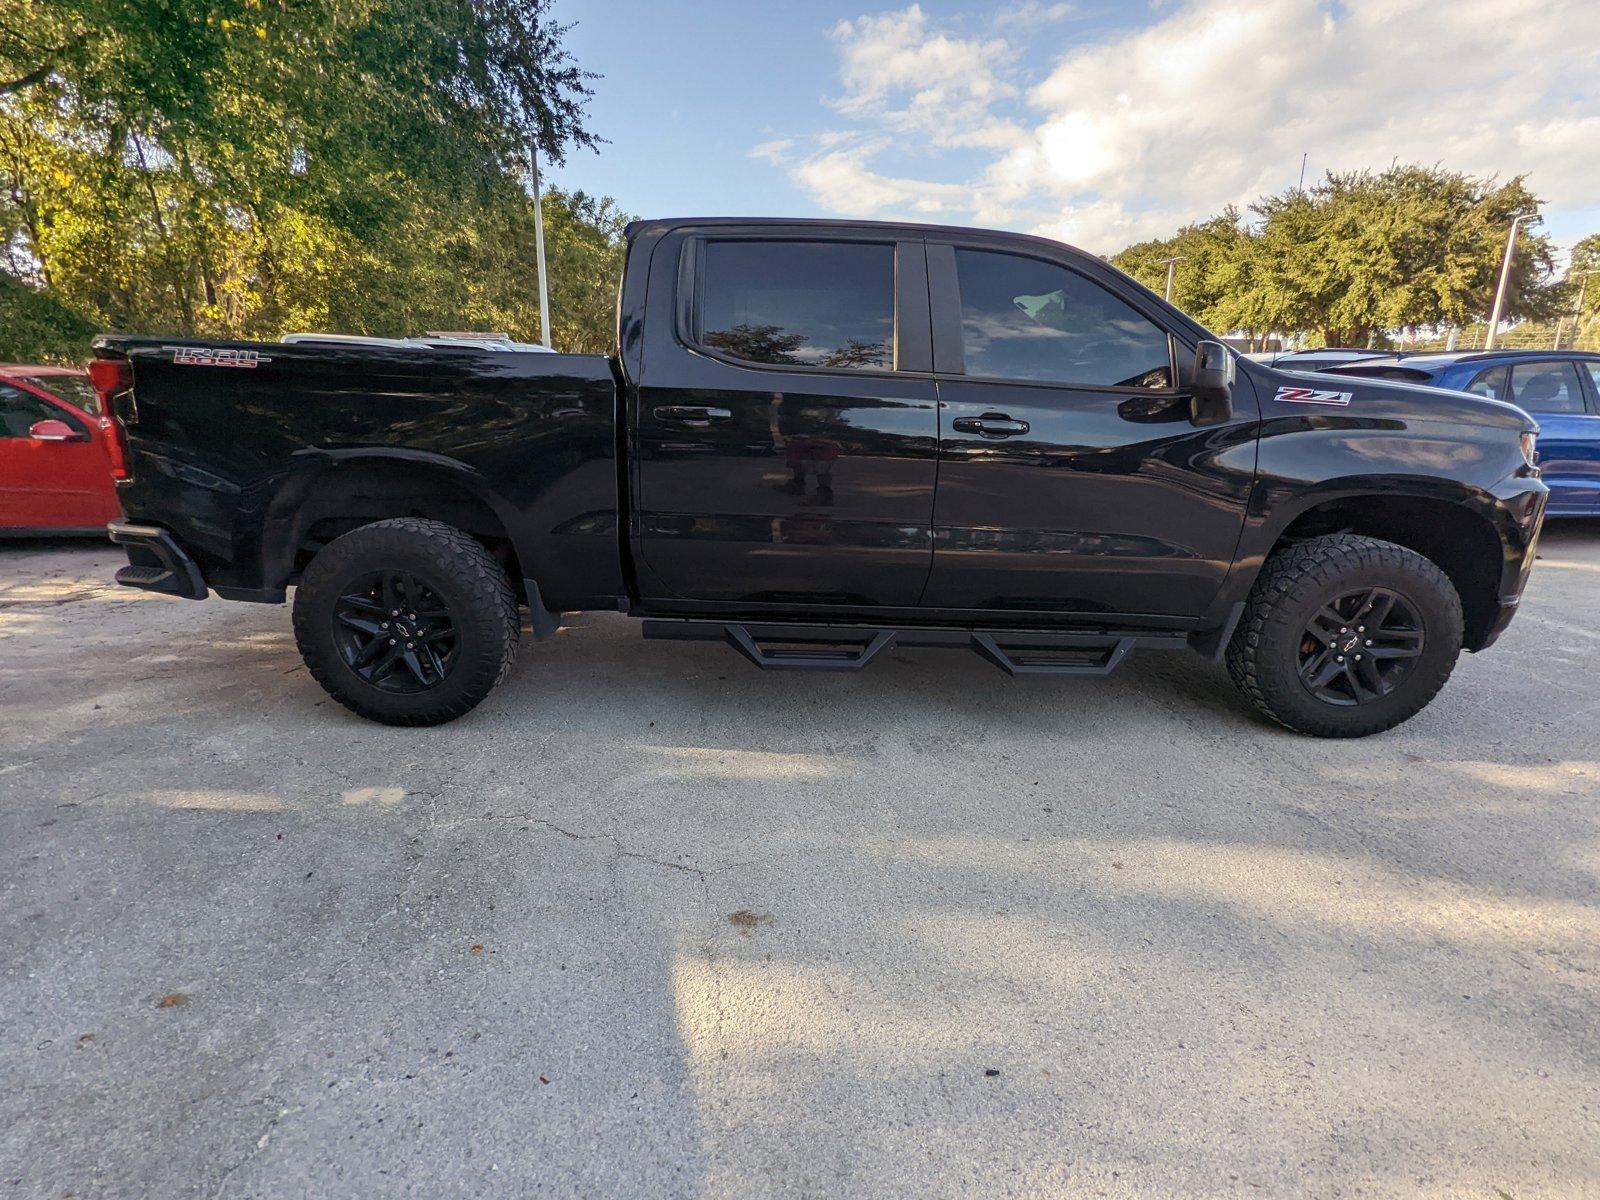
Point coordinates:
pixel 651 923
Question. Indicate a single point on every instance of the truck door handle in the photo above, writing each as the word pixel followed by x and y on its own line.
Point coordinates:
pixel 990 425
pixel 691 414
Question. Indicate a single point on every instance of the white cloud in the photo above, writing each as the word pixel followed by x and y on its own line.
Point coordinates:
pixel 1212 104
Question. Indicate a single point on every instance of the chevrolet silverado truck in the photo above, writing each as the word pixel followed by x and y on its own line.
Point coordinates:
pixel 819 440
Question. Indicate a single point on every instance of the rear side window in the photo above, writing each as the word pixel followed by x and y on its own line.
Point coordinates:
pixel 802 304
pixel 1550 387
pixel 1490 383
pixel 1022 318
pixel 1594 373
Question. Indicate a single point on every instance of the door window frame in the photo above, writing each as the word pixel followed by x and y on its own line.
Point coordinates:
pixel 911 353
pixel 949 353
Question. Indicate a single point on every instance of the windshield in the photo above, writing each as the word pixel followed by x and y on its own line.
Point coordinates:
pixel 74 389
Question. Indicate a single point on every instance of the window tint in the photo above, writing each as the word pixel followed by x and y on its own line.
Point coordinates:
pixel 809 304
pixel 20 411
pixel 1594 373
pixel 1026 319
pixel 1550 387
pixel 1490 383
pixel 74 389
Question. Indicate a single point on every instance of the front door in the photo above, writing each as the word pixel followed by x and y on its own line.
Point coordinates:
pixel 1071 478
pixel 49 484
pixel 785 434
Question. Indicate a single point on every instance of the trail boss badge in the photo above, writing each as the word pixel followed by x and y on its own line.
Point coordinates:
pixel 207 356
pixel 1304 395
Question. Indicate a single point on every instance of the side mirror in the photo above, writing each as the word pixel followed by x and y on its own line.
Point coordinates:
pixel 1211 388
pixel 55 431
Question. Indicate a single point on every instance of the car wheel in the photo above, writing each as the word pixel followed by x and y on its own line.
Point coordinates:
pixel 407 621
pixel 1345 636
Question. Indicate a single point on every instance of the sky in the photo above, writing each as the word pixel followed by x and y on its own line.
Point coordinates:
pixel 1095 122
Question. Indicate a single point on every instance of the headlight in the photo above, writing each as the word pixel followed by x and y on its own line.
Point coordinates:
pixel 1530 449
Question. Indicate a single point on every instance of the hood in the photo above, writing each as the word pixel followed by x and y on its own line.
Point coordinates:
pixel 1384 399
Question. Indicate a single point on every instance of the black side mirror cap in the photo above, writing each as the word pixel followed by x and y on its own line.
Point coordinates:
pixel 1211 387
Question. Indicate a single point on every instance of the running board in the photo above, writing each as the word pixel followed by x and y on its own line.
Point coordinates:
pixel 850 648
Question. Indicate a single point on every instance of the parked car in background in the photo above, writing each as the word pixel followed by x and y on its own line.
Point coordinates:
pixel 1311 360
pixel 1561 388
pixel 56 458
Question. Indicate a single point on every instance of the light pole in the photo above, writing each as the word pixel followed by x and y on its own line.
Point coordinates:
pixel 1172 270
pixel 1577 312
pixel 538 241
pixel 1505 281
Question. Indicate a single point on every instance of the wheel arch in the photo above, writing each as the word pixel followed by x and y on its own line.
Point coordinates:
pixel 328 493
pixel 1453 525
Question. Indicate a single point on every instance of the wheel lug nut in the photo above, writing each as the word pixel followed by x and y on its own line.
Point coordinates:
pixel 1361 628
pixel 409 646
pixel 1369 641
pixel 1358 658
pixel 391 641
pixel 395 612
pixel 385 625
pixel 1339 658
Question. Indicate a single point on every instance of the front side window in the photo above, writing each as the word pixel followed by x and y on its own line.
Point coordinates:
pixel 1550 387
pixel 20 411
pixel 1490 383
pixel 801 304
pixel 1022 318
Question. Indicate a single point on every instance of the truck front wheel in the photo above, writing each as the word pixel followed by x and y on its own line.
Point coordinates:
pixel 1345 636
pixel 407 621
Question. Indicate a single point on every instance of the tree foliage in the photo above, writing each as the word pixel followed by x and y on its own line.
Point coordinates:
pixel 247 167
pixel 1357 254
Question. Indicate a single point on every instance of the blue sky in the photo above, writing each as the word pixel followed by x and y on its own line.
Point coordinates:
pixel 1100 123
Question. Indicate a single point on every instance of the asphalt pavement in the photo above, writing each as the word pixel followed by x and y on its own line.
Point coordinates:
pixel 651 923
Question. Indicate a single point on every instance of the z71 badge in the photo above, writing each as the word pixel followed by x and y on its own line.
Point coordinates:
pixel 1302 395
pixel 206 356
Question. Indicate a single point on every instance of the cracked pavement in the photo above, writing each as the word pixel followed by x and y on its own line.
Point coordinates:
pixel 651 923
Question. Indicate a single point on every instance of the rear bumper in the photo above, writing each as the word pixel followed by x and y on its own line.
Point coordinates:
pixel 156 563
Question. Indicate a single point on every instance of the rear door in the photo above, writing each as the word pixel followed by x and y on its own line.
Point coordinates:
pixel 50 484
pixel 784 427
pixel 1071 478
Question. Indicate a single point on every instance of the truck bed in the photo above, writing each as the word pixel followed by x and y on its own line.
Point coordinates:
pixel 233 443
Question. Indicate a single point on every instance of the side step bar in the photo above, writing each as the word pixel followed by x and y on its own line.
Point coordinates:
pixel 850 648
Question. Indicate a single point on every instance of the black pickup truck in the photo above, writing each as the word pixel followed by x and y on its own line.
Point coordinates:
pixel 818 440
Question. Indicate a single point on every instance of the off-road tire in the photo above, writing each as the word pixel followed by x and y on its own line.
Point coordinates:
pixel 455 567
pixel 1264 654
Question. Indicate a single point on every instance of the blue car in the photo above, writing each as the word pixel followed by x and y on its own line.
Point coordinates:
pixel 1561 388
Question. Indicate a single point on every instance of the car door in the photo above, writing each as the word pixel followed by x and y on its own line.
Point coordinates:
pixel 784 428
pixel 1553 391
pixel 1071 478
pixel 47 483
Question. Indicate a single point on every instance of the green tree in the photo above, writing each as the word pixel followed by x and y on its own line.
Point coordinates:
pixel 244 167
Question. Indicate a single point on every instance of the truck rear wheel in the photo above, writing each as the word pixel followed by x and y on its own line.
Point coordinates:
pixel 1345 636
pixel 407 621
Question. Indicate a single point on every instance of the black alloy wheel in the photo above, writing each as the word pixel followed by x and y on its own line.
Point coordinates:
pixel 1360 646
pixel 395 632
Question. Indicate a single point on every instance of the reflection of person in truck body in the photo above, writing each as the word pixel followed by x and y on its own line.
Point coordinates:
pixel 804 455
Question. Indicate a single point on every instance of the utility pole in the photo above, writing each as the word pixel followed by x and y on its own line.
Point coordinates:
pixel 1172 270
pixel 1505 281
pixel 1303 158
pixel 538 239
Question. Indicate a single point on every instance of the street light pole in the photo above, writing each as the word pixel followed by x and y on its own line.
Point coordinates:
pixel 1505 281
pixel 538 239
pixel 1172 270
pixel 1577 311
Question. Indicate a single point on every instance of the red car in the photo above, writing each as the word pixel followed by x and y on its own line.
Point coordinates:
pixel 57 454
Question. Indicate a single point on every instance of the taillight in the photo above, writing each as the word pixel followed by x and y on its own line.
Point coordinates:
pixel 111 377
